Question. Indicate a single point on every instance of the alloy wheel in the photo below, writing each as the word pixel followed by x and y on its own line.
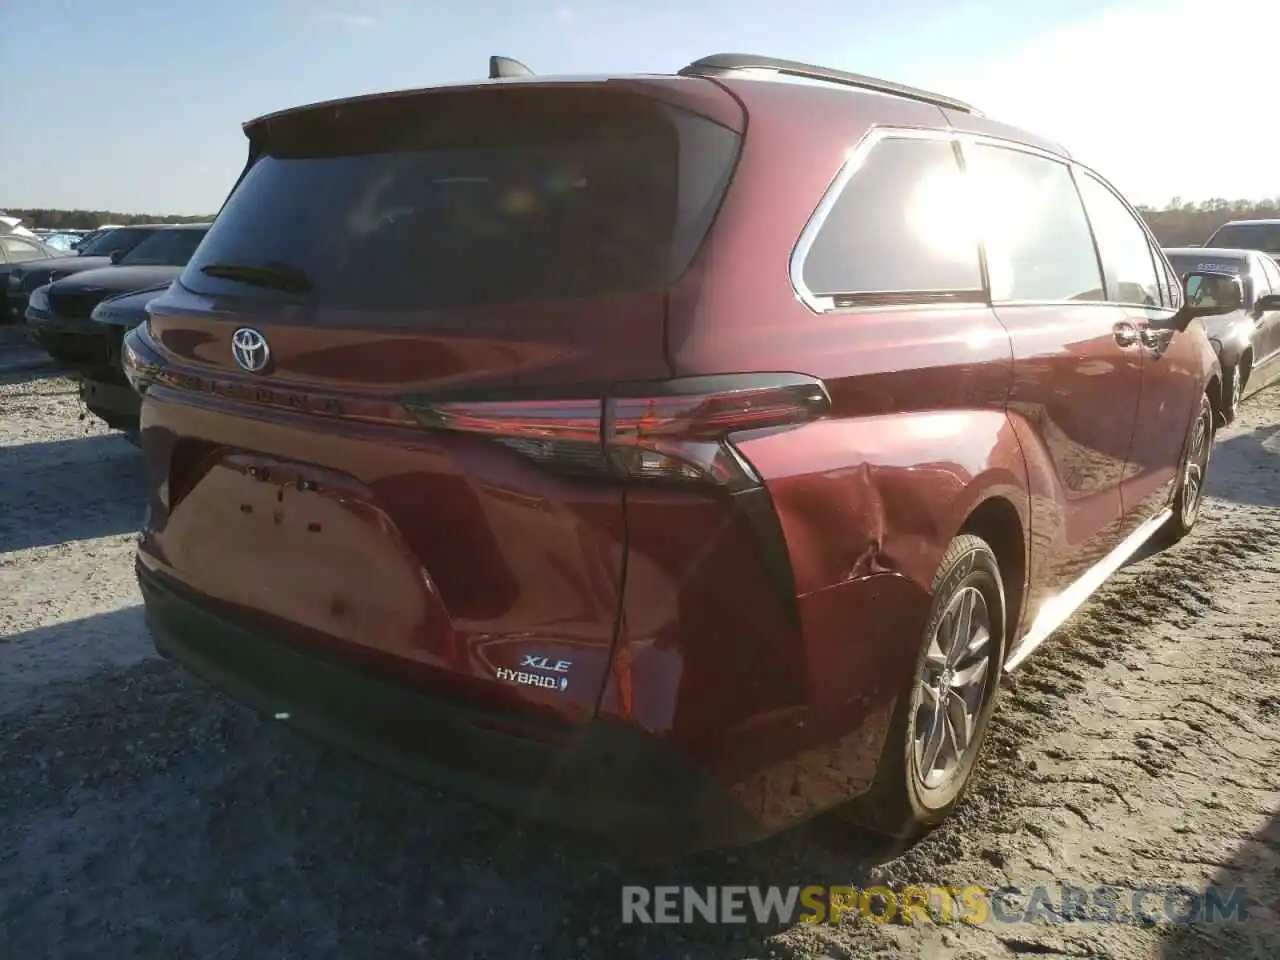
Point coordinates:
pixel 952 687
pixel 1194 471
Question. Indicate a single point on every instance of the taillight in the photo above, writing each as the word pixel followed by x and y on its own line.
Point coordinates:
pixel 671 431
pixel 137 362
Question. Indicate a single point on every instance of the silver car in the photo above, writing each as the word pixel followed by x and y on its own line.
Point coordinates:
pixel 1248 338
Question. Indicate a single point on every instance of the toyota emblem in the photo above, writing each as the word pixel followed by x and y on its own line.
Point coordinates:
pixel 250 349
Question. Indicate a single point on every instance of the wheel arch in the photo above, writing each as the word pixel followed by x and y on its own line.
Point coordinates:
pixel 1214 392
pixel 997 521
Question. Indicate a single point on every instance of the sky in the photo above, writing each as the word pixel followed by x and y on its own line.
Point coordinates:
pixel 136 105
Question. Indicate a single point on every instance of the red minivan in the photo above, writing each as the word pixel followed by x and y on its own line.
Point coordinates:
pixel 676 456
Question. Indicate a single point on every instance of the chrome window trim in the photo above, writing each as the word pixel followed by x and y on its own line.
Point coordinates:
pixel 990 140
pixel 856 157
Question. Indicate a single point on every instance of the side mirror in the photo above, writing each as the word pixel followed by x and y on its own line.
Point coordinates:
pixel 1267 303
pixel 1207 295
pixel 117 256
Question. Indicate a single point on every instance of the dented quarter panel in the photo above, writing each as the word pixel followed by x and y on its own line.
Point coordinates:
pixel 791 711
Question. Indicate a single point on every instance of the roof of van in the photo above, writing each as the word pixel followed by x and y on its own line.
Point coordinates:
pixel 957 114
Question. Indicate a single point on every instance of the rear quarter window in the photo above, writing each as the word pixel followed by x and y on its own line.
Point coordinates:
pixel 466 198
pixel 898 227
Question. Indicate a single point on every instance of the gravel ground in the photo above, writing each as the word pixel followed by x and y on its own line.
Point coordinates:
pixel 142 814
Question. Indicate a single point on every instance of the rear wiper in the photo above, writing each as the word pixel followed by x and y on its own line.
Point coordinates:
pixel 277 276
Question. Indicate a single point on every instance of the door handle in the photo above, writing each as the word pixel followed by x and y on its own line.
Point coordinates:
pixel 1155 339
pixel 1126 334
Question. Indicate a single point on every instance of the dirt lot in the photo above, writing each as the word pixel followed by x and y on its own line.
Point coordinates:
pixel 142 814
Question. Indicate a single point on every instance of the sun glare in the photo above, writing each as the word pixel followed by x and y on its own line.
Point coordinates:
pixel 951 212
pixel 940 215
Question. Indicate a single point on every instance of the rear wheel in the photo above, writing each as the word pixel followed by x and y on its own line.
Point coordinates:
pixel 942 716
pixel 1189 496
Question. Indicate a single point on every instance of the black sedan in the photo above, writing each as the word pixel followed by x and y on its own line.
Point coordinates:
pixel 1248 339
pixel 59 315
pixel 103 386
pixel 90 255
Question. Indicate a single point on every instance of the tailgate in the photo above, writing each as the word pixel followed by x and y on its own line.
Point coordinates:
pixel 491 242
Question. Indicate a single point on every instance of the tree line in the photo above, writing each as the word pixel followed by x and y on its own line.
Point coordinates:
pixel 92 219
pixel 1179 222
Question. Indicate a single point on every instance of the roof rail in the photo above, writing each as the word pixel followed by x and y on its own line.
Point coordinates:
pixel 506 67
pixel 728 62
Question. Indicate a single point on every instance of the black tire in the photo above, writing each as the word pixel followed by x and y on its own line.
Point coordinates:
pixel 903 802
pixel 1194 468
pixel 1232 384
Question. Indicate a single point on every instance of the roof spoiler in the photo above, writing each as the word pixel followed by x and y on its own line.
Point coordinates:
pixel 500 67
pixel 720 63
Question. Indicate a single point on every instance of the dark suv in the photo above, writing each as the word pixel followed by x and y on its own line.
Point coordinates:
pixel 678 455
pixel 1261 235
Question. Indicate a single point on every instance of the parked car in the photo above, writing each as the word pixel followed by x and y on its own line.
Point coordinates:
pixel 17 252
pixel 1247 339
pixel 1261 235
pixel 13 225
pixel 91 255
pixel 556 468
pixel 63 241
pixel 59 315
pixel 91 235
pixel 103 387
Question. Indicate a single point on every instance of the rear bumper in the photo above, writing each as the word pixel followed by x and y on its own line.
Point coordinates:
pixel 116 404
pixel 596 776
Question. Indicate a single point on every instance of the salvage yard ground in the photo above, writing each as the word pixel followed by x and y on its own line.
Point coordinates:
pixel 142 814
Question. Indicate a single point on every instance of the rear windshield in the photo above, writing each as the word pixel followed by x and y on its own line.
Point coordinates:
pixel 1248 236
pixel 470 197
pixel 1206 263
pixel 164 248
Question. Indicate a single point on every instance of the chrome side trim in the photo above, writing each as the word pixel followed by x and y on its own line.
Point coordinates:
pixel 1004 143
pixel 1054 611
